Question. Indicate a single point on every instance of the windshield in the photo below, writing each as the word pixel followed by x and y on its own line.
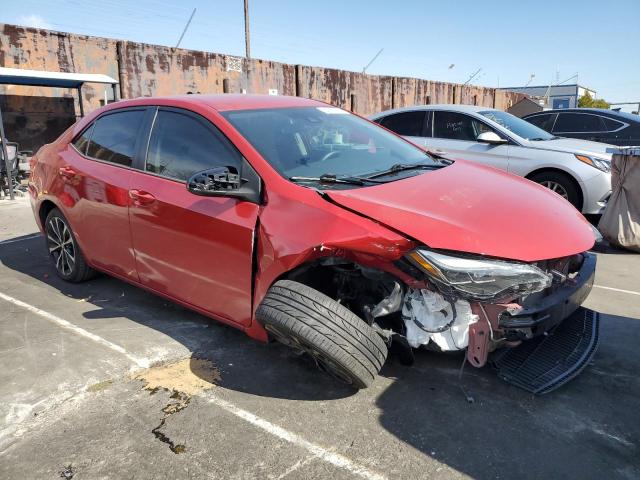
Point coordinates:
pixel 316 141
pixel 520 127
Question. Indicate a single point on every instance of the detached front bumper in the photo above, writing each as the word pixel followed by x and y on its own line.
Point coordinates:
pixel 534 320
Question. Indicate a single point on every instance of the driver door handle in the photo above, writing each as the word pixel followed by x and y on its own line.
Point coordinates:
pixel 140 197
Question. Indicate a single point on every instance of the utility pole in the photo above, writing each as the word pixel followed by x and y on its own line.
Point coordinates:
pixel 185 28
pixel 247 42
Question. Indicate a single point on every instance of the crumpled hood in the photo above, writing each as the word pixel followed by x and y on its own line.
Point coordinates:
pixel 573 145
pixel 476 209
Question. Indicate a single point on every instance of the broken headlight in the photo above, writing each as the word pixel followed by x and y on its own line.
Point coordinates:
pixel 480 279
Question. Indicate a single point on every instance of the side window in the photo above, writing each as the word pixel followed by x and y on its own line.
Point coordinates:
pixel 544 121
pixel 405 123
pixel 577 122
pixel 610 124
pixel 82 141
pixel 181 145
pixel 457 126
pixel 114 137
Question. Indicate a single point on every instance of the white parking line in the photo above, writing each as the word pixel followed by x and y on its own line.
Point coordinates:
pixel 20 239
pixel 316 451
pixel 630 292
pixel 322 453
pixel 140 362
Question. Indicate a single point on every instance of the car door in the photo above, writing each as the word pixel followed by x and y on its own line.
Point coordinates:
pixel 196 249
pixel 96 171
pixel 455 133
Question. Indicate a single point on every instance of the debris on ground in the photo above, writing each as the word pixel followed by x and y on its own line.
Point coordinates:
pixel 189 376
pixel 67 472
pixel 183 378
pixel 96 387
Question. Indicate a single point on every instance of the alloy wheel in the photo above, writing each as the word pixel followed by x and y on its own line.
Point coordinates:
pixel 61 246
pixel 556 187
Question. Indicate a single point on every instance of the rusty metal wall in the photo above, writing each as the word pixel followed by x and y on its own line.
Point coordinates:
pixel 35 49
pixel 146 70
pixel 360 93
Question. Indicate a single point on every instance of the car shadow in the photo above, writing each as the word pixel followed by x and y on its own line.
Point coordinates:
pixel 473 423
pixel 588 428
pixel 245 365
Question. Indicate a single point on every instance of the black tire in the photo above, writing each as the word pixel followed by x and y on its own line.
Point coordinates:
pixel 341 343
pixel 562 184
pixel 67 257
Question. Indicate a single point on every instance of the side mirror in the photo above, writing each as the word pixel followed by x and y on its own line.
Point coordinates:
pixel 214 181
pixel 227 182
pixel 491 138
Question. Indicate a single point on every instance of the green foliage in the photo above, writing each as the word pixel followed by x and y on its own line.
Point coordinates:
pixel 586 101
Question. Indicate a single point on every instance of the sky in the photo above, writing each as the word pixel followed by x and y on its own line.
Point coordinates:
pixel 445 40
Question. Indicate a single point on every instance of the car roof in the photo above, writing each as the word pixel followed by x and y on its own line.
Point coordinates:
pixel 438 106
pixel 605 111
pixel 227 102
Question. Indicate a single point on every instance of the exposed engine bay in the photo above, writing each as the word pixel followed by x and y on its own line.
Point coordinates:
pixel 470 304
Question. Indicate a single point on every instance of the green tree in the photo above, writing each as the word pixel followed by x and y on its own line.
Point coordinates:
pixel 587 101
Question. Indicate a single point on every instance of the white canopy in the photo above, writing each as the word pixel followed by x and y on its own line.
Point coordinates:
pixel 40 78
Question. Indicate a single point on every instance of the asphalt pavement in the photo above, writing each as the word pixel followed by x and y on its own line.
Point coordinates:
pixel 105 380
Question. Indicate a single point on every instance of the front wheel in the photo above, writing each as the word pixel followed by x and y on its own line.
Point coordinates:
pixel 340 343
pixel 66 255
pixel 562 184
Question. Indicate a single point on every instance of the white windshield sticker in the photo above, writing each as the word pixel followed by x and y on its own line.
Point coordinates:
pixel 333 110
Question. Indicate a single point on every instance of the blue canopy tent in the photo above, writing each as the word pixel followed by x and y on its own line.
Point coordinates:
pixel 38 78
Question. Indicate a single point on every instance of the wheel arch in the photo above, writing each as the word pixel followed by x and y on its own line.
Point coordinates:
pixel 45 207
pixel 572 177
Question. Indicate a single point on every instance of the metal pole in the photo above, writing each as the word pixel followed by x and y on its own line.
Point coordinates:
pixel 472 76
pixel 115 92
pixel 247 43
pixel 5 155
pixel 364 70
pixel 185 28
pixel 80 101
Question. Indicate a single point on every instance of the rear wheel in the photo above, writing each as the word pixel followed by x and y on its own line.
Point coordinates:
pixel 562 184
pixel 67 258
pixel 340 343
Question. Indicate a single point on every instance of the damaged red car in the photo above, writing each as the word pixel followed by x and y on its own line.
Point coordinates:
pixel 297 221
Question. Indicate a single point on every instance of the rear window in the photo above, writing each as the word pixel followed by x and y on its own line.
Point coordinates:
pixel 405 123
pixel 610 124
pixel 114 137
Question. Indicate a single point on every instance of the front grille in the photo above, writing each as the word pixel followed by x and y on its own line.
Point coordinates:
pixel 548 362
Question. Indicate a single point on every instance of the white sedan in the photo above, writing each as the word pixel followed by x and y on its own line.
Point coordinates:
pixel 578 170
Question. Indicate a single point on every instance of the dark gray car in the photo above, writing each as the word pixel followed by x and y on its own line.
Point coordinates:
pixel 596 124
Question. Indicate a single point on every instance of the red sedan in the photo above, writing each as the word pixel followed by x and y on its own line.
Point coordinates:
pixel 295 220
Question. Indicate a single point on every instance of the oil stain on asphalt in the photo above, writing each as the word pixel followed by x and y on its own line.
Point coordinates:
pixel 184 378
